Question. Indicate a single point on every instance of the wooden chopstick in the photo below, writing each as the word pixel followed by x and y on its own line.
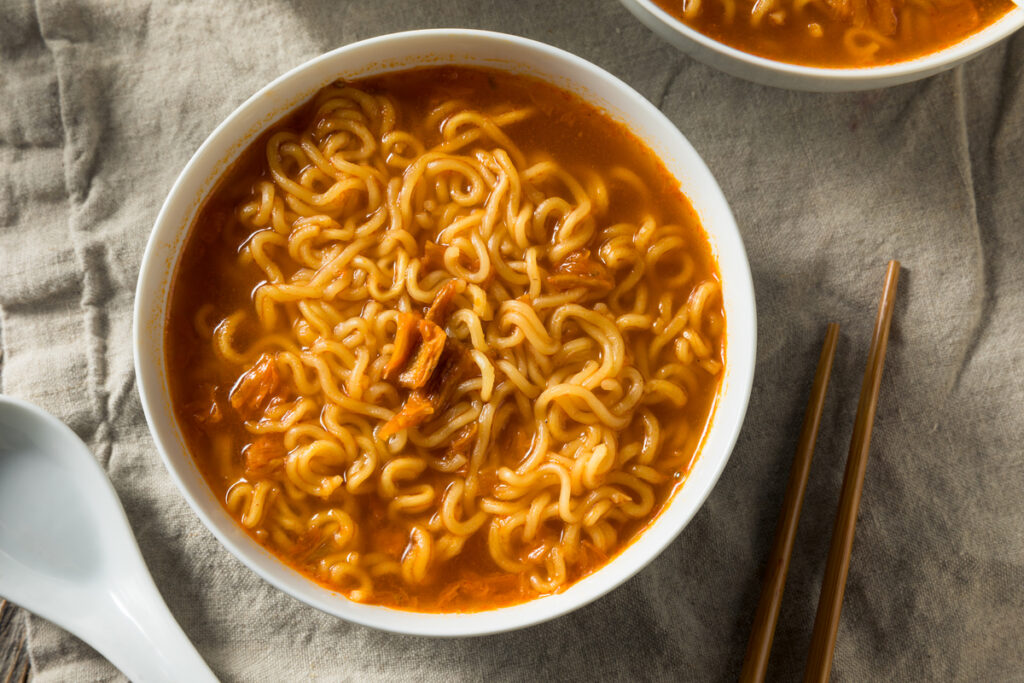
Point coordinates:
pixel 830 604
pixel 767 615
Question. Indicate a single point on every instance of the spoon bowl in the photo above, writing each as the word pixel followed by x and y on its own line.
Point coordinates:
pixel 68 554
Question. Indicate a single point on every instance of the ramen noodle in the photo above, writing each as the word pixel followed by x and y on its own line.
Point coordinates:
pixel 838 33
pixel 445 339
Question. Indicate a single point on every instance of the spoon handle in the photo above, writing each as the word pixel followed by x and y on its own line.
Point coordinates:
pixel 133 628
pixel 67 551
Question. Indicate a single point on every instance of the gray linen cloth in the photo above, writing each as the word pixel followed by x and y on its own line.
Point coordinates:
pixel 102 103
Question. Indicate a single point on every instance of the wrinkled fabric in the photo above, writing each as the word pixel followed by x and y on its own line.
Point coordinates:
pixel 102 103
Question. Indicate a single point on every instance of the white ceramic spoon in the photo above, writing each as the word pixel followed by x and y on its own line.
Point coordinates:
pixel 68 554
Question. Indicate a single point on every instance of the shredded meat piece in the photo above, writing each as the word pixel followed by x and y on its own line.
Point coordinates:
pixel 428 353
pixel 592 555
pixel 255 386
pixel 515 441
pixel 308 543
pixel 441 307
pixel 264 456
pixel 446 376
pixel 433 256
pixel 474 588
pixel 207 411
pixel 456 456
pixel 579 270
pixel 463 442
pixel 432 398
pixel 419 342
pixel 416 409
pixel 405 340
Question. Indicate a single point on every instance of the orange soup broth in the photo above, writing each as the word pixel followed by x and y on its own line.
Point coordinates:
pixel 575 134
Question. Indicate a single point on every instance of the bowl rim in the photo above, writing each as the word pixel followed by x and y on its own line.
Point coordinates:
pixel 904 70
pixel 156 278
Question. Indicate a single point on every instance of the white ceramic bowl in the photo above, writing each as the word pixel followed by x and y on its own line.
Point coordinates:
pixel 395 52
pixel 796 77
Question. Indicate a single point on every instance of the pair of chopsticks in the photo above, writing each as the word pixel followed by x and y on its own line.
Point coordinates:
pixel 830 604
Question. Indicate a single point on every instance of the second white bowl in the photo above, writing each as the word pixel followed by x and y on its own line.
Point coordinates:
pixel 796 77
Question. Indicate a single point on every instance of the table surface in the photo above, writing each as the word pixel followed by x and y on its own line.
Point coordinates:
pixel 100 113
pixel 14 664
